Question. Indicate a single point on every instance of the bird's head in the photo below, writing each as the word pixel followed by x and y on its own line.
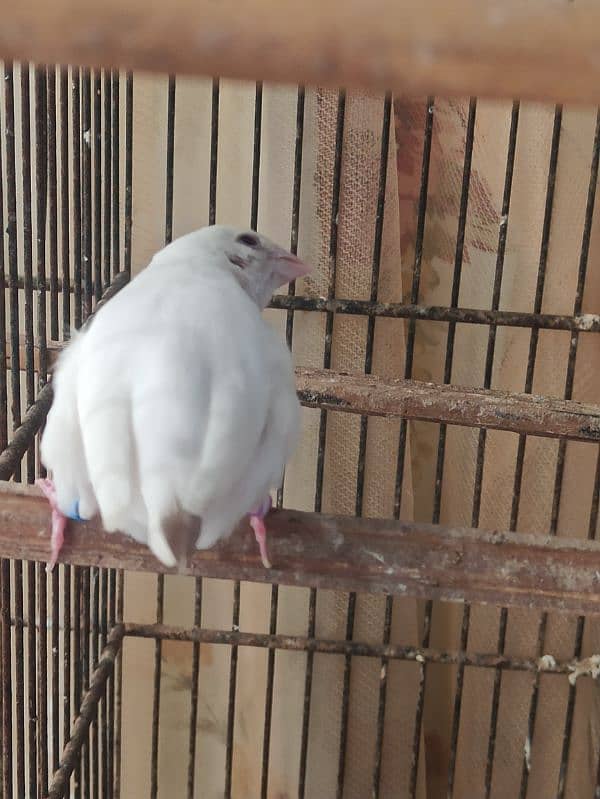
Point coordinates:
pixel 259 265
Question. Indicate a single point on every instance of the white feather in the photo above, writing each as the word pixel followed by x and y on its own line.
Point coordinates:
pixel 178 396
pixel 61 448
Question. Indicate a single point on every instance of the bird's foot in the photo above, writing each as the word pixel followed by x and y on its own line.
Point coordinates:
pixel 257 522
pixel 59 521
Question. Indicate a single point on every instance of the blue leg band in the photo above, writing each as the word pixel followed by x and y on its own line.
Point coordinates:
pixel 73 512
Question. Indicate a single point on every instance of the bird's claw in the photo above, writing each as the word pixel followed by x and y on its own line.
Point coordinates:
pixel 257 522
pixel 59 521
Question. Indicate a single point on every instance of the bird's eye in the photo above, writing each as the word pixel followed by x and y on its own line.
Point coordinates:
pixel 249 239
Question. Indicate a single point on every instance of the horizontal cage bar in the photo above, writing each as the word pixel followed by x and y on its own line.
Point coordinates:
pixel 587 323
pixel 547 663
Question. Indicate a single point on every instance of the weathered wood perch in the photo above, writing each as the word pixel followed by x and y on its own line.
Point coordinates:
pixel 346 553
pixel 537 50
pixel 391 397
pixel 432 402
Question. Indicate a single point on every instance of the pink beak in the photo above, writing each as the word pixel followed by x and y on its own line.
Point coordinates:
pixel 289 267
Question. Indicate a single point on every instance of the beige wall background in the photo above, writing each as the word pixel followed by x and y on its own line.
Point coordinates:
pixel 512 345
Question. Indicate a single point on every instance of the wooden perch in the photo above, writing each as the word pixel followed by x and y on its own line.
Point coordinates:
pixel 472 407
pixel 538 50
pixel 345 553
pixel 432 402
pixel 377 396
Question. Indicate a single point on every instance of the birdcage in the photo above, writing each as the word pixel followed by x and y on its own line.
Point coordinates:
pixel 429 625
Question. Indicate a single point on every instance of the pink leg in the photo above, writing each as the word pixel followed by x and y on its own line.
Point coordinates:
pixel 59 521
pixel 257 522
pixel 260 533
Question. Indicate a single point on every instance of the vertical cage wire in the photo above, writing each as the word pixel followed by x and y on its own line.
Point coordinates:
pixel 289 330
pixel 510 162
pixel 235 621
pixel 11 204
pixel 477 490
pixel 3 348
pixel 160 585
pixel 360 476
pixel 212 205
pixel 402 444
pixel 560 462
pixel 533 348
pixel 117 581
pixel 377 246
pixel 312 607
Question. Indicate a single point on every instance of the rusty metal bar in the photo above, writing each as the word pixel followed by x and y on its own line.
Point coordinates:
pixel 119 281
pixel 89 705
pixel 345 553
pixel 538 50
pixel 585 323
pixel 24 435
pixel 546 664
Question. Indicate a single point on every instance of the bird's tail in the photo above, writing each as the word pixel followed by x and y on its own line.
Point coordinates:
pixel 157 541
pixel 158 475
pixel 109 453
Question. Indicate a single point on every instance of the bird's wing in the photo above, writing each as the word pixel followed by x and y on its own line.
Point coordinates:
pixel 61 447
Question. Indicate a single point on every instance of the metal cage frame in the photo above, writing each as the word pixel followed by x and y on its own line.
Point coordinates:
pixel 428 561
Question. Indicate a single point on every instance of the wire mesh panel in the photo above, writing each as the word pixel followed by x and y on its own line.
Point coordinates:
pixel 453 243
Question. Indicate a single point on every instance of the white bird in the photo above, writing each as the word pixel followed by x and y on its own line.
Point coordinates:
pixel 175 410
